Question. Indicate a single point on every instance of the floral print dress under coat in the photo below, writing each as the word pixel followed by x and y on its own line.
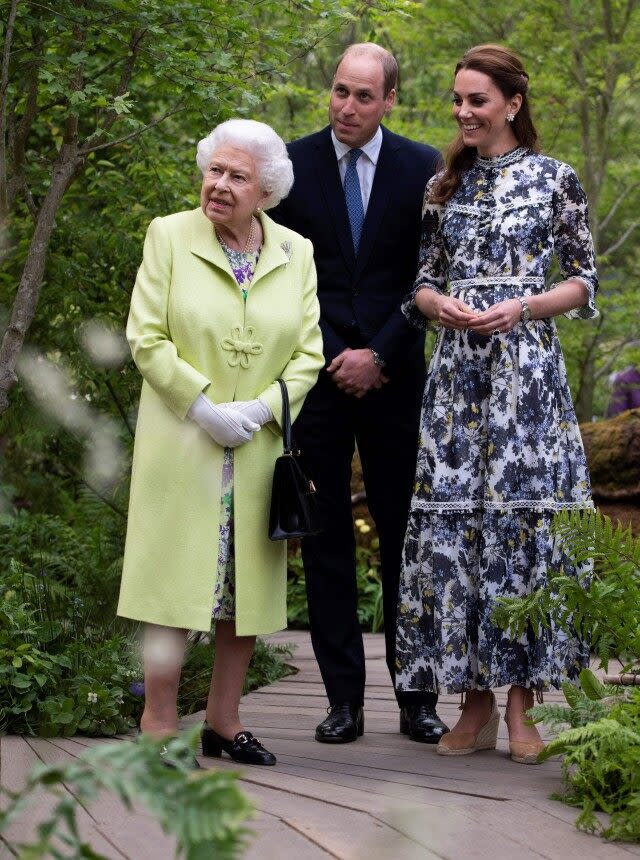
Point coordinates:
pixel 243 265
pixel 500 450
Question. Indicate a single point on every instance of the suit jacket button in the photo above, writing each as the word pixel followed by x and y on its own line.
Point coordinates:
pixel 355 292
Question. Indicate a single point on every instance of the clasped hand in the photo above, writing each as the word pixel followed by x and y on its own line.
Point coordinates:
pixel 355 372
pixel 227 424
pixel 501 317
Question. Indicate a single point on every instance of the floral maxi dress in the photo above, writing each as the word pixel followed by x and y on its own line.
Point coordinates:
pixel 500 450
pixel 243 266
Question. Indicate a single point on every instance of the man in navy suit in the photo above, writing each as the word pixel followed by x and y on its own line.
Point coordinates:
pixel 357 195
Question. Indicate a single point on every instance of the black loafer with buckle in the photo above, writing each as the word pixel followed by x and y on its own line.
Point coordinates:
pixel 344 724
pixel 244 748
pixel 422 724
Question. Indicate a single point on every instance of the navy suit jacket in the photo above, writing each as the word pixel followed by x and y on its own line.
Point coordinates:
pixel 362 294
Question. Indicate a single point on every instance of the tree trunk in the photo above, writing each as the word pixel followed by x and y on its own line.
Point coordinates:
pixel 24 306
pixel 584 397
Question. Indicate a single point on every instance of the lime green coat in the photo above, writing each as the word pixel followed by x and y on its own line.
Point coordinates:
pixel 190 331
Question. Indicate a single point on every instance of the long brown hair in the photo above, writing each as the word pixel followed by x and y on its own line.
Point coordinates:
pixel 507 72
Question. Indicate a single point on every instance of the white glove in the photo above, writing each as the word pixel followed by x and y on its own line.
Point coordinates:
pixel 226 426
pixel 257 410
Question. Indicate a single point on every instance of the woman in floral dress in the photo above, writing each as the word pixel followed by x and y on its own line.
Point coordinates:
pixel 500 449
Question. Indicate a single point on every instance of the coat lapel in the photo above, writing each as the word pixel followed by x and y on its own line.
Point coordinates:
pixel 329 179
pixel 276 250
pixel 205 244
pixel 379 198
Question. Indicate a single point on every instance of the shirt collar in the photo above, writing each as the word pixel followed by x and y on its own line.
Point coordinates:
pixel 371 149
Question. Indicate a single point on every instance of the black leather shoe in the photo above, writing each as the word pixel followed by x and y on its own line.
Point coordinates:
pixel 344 724
pixel 422 724
pixel 244 748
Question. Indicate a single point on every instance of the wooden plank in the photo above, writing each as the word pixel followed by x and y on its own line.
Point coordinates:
pixel 274 837
pixel 344 836
pixel 134 833
pixel 22 754
pixel 449 833
pixel 383 796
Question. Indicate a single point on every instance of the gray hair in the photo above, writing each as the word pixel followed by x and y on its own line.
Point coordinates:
pixel 261 142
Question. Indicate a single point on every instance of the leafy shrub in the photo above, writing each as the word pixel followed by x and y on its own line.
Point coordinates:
pixel 60 673
pixel 601 754
pixel 66 667
pixel 78 552
pixel 601 747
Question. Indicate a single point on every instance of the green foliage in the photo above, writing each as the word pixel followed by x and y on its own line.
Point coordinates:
pixel 77 551
pixel 584 72
pixel 608 606
pixel 370 615
pixel 205 810
pixel 67 665
pixel 60 672
pixel 601 753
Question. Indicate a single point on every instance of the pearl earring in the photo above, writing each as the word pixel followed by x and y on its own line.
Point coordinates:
pixel 510 117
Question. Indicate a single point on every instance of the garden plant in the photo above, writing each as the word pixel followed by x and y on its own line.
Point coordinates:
pixel 598 733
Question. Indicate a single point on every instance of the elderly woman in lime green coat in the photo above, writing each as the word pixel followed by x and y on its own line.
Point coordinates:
pixel 224 304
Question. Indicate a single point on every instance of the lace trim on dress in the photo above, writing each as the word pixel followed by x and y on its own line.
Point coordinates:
pixel 512 505
pixel 496 162
pixel 527 280
pixel 497 208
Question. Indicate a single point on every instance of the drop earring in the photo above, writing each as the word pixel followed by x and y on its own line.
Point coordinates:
pixel 510 117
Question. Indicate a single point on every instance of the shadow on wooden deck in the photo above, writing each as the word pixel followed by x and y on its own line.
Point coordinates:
pixel 381 797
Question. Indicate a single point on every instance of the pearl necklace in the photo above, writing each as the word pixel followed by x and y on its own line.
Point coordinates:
pixel 250 238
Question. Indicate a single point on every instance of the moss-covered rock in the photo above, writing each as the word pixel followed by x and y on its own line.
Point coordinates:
pixel 613 452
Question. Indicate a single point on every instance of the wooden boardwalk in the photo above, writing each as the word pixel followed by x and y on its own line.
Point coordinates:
pixel 381 797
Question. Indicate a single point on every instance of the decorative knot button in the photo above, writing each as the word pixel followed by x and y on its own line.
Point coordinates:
pixel 241 346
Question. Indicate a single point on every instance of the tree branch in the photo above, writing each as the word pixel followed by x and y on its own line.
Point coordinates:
pixel 28 197
pixel 621 240
pixel 119 407
pixel 19 138
pixel 87 149
pixel 110 116
pixel 626 344
pixel 4 86
pixel 617 203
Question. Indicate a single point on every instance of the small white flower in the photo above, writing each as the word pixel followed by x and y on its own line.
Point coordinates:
pixel 92 698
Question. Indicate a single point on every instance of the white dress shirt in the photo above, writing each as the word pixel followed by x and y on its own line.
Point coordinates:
pixel 365 165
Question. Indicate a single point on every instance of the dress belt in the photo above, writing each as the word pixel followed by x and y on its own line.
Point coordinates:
pixel 497 280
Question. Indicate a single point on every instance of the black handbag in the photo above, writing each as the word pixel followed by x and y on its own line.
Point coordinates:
pixel 294 507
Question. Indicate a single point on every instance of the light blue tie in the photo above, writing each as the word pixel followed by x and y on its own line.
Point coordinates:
pixel 353 197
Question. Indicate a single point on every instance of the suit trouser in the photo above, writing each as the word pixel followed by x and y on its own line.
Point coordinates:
pixel 384 424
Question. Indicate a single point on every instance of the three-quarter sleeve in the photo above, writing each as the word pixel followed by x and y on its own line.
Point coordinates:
pixel 156 356
pixel 572 239
pixel 432 260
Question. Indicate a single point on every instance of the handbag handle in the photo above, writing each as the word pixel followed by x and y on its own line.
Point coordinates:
pixel 286 417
